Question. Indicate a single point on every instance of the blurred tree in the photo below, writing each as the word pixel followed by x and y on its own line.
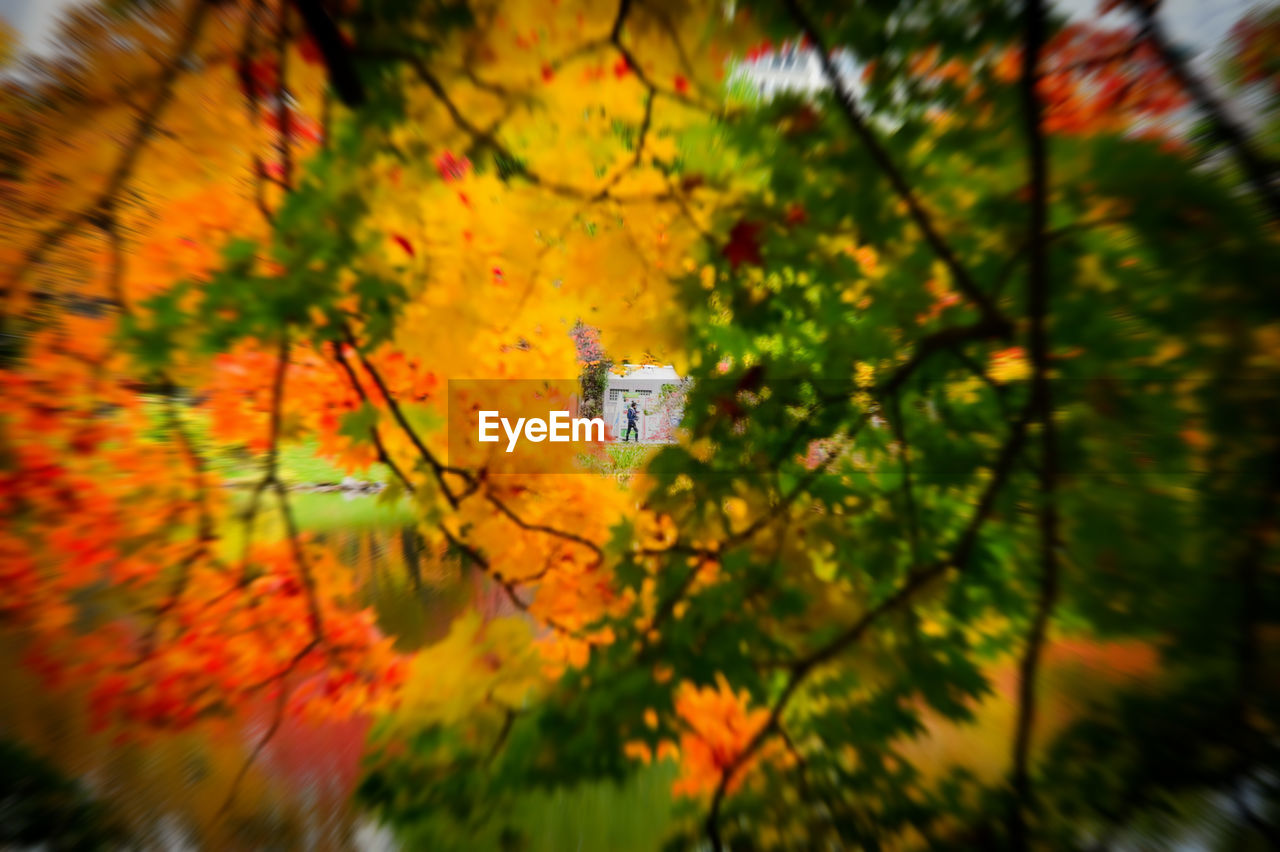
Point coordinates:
pixel 595 369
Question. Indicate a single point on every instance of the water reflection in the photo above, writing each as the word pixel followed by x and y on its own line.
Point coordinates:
pixel 415 590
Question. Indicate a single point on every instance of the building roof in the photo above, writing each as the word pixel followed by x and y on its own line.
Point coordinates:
pixel 648 372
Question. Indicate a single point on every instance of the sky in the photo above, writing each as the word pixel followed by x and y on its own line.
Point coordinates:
pixel 34 21
pixel 1198 26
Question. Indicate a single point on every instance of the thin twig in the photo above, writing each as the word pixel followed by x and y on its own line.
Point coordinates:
pixel 508 585
pixel 383 455
pixel 244 69
pixel 543 528
pixel 282 701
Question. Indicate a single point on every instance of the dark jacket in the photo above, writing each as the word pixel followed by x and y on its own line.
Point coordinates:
pixel 632 416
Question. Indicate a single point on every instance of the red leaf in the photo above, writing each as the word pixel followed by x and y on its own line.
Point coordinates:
pixel 744 244
pixel 306 128
pixel 310 51
pixel 404 244
pixel 621 68
pixel 547 73
pixel 452 168
pixel 258 78
pixel 265 74
pixel 682 84
pixel 796 214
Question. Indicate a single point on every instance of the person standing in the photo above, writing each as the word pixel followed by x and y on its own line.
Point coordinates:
pixel 633 419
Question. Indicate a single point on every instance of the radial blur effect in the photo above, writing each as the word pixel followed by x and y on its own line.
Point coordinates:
pixel 935 347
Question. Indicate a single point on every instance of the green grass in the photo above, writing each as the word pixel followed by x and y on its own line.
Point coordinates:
pixel 314 513
pixel 621 460
pixel 601 816
pixel 629 458
pixel 596 817
pixel 325 512
pixel 298 460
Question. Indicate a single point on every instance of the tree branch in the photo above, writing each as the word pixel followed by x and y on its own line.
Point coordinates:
pixel 437 468
pixel 915 582
pixel 284 117
pixel 552 531
pixel 277 718
pixel 508 585
pixel 1260 174
pixel 849 107
pixel 383 455
pixel 1042 404
pixel 333 49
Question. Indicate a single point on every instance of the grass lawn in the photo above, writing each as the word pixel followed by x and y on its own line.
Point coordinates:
pixel 595 817
pixel 621 460
pixel 298 462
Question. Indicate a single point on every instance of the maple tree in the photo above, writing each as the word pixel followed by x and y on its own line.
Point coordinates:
pixel 983 396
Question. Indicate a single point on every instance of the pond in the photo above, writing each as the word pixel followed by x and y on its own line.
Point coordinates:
pixel 416 594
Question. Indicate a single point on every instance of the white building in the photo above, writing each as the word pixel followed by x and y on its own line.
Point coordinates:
pixel 658 393
pixel 794 68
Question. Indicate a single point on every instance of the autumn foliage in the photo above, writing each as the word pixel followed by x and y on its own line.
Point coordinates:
pixel 972 512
